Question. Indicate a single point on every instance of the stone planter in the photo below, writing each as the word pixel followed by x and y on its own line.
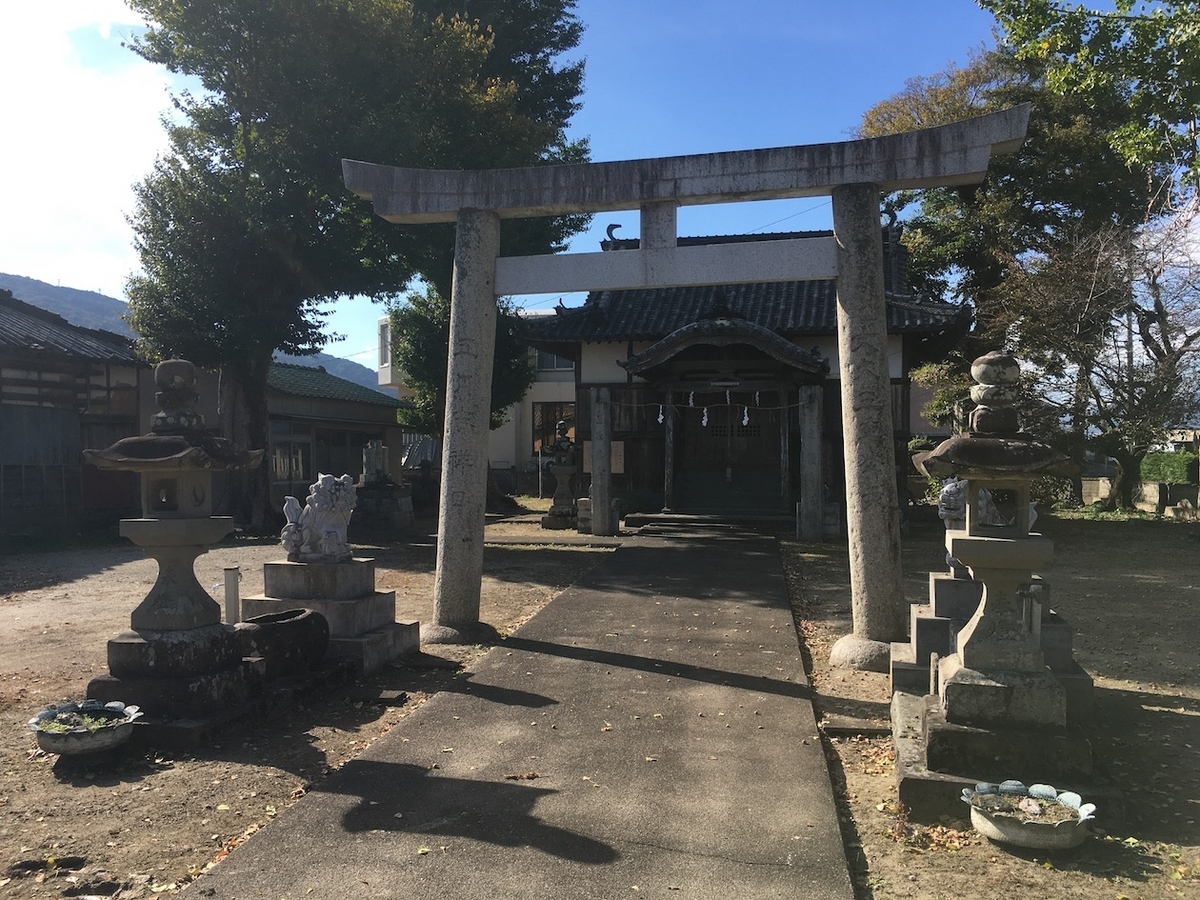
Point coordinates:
pixel 291 642
pixel 88 727
pixel 1003 813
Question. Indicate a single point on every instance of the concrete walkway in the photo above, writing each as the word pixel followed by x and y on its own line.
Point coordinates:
pixel 648 734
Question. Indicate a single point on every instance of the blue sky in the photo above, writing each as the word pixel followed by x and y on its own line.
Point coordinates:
pixel 664 77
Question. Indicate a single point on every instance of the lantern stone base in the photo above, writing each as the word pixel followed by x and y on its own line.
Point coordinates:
pixel 936 759
pixel 362 621
pixel 1001 699
pixel 189 674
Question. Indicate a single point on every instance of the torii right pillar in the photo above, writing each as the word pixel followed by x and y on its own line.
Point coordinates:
pixel 872 508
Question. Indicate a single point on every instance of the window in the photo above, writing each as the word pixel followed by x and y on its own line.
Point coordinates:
pixel 291 452
pixel 339 451
pixel 550 362
pixel 385 344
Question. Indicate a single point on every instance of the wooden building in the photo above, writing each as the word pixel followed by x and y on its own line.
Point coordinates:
pixel 714 389
pixel 62 388
pixel 320 424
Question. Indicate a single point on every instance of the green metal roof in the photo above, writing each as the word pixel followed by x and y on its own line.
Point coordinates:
pixel 314 381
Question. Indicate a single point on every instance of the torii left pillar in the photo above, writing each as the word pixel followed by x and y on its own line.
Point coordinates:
pixel 457 584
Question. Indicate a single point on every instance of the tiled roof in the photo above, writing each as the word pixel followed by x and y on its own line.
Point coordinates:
pixel 792 308
pixel 314 381
pixel 25 327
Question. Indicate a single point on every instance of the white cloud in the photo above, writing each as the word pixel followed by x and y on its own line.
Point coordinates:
pixel 82 125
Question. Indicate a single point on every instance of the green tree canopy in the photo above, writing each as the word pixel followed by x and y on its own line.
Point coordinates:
pixel 1146 53
pixel 1055 251
pixel 245 228
pixel 420 327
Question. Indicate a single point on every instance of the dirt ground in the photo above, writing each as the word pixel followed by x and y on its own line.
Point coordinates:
pixel 1130 589
pixel 148 823
pixel 142 823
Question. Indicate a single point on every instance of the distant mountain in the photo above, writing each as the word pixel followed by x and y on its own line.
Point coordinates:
pixel 342 368
pixel 92 310
pixel 85 308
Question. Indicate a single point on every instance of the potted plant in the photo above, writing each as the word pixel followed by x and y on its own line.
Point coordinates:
pixel 1038 816
pixel 85 727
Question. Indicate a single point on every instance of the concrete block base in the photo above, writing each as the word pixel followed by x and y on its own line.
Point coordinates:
pixel 995 754
pixel 363 630
pixel 315 581
pixel 1079 688
pixel 373 650
pixel 930 797
pixel 184 696
pixel 930 633
pixel 203 730
pixel 170 654
pixel 347 618
pixel 906 673
pixel 1002 700
pixel 933 797
pixel 954 598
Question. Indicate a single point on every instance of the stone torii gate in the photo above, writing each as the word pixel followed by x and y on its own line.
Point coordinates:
pixel 853 173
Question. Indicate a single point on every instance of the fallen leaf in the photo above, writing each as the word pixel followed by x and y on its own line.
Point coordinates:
pixel 527 776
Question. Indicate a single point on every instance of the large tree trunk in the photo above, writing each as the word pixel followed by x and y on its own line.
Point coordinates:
pixel 1077 441
pixel 1123 492
pixel 244 420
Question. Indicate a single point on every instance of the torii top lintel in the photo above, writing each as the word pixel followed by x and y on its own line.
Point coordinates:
pixel 952 154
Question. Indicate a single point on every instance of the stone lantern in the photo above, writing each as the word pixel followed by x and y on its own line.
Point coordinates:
pixel 997 702
pixel 178 660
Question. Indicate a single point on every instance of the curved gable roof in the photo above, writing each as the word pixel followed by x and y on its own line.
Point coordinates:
pixel 724 331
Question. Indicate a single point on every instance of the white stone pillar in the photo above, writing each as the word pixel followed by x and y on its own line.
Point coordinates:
pixel 465 438
pixel 602 516
pixel 812 482
pixel 659 225
pixel 872 510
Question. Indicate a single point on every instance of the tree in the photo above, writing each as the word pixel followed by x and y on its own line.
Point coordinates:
pixel 1150 53
pixel 245 229
pixel 1044 251
pixel 221 285
pixel 420 328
